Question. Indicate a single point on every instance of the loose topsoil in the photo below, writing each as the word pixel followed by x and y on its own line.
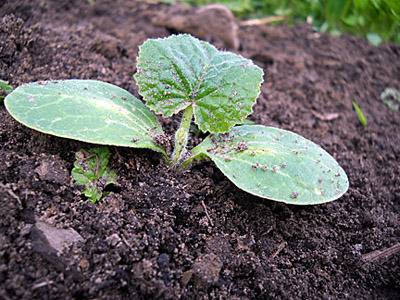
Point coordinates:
pixel 192 233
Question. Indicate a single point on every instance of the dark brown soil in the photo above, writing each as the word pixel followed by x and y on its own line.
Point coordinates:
pixel 151 238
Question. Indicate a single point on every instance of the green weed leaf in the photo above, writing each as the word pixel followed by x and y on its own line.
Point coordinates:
pixel 360 115
pixel 91 170
pixel 92 193
pixel 85 110
pixel 5 88
pixel 179 71
pixel 275 164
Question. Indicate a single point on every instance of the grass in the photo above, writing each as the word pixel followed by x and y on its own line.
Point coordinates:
pixel 360 115
pixel 376 20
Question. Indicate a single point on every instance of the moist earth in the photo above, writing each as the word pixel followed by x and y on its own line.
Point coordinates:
pixel 191 233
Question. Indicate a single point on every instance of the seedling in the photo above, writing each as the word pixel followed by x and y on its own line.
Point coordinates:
pixel 5 89
pixel 360 115
pixel 181 74
pixel 91 170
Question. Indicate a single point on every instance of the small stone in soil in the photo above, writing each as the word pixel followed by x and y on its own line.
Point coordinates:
pixel 113 239
pixel 206 270
pixel 57 238
pixel 53 169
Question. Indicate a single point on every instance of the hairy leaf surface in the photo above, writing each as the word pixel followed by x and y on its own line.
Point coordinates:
pixel 180 70
pixel 276 164
pixel 85 110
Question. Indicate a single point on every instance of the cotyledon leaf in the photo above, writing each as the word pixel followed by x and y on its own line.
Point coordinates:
pixel 85 110
pixel 181 70
pixel 275 164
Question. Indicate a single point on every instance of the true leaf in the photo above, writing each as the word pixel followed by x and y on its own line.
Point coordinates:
pixel 85 110
pixel 180 70
pixel 275 164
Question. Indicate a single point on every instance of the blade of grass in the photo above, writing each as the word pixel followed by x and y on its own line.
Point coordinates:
pixel 360 115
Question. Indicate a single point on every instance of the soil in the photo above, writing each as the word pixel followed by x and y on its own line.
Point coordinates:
pixel 193 234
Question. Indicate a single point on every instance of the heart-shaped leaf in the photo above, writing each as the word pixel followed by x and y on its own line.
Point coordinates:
pixel 275 164
pixel 180 70
pixel 85 110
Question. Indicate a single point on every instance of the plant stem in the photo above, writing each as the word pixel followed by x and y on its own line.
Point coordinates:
pixel 181 136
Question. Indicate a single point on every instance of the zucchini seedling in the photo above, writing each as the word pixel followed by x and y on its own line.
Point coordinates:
pixel 214 89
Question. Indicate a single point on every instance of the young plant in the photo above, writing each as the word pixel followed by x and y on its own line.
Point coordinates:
pixel 360 115
pixel 91 170
pixel 216 90
pixel 5 89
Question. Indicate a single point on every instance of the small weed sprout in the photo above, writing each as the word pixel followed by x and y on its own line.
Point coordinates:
pixel 213 89
pixel 91 171
pixel 5 88
pixel 360 115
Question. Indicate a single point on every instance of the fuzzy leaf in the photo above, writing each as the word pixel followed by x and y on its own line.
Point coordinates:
pixel 276 164
pixel 85 110
pixel 180 70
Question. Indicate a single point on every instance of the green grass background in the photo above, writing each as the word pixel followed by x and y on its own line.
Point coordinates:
pixel 376 20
